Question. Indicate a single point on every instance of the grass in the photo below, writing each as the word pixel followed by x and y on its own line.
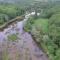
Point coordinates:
pixel 40 22
pixel 5 55
pixel 13 37
pixel 43 23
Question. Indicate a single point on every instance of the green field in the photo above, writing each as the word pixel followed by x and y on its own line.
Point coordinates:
pixel 43 23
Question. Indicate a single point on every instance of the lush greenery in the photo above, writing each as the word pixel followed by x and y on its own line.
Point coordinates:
pixel 46 30
pixel 8 12
pixel 54 34
pixel 43 23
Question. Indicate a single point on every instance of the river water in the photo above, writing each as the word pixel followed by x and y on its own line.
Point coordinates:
pixel 24 48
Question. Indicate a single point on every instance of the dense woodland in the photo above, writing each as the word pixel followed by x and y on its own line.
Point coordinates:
pixel 9 11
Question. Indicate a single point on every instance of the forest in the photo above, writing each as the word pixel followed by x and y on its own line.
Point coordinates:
pixel 9 11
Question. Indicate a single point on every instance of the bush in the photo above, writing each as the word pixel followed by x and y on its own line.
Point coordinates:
pixel 12 37
pixel 47 13
pixel 28 25
pixel 54 34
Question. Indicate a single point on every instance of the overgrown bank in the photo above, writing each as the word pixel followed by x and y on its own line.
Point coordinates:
pixel 9 12
pixel 19 18
pixel 46 32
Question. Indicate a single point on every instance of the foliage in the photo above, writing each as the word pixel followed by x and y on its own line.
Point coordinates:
pixel 43 23
pixel 54 29
pixel 12 37
pixel 8 12
pixel 3 18
pixel 46 32
pixel 49 11
pixel 28 25
pixel 39 30
pixel 54 33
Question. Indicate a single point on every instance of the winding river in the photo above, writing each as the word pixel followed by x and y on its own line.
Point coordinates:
pixel 24 48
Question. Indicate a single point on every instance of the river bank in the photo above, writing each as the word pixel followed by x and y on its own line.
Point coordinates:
pixel 24 48
pixel 19 18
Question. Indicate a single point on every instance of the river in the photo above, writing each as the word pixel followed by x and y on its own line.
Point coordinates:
pixel 24 48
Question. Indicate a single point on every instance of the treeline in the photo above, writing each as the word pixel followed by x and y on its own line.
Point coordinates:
pixel 53 41
pixel 9 11
pixel 54 32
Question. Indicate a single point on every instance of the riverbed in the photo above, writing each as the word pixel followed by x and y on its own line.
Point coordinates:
pixel 24 48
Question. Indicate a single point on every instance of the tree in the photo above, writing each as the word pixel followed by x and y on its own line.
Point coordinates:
pixel 54 29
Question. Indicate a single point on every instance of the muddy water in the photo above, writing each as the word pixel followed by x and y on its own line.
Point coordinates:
pixel 24 48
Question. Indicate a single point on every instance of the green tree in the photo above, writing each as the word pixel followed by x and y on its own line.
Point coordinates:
pixel 54 29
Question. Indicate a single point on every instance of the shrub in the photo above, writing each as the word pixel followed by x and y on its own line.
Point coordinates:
pixel 12 37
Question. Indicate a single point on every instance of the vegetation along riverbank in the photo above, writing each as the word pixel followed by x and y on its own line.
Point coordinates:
pixel 29 29
pixel 45 29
